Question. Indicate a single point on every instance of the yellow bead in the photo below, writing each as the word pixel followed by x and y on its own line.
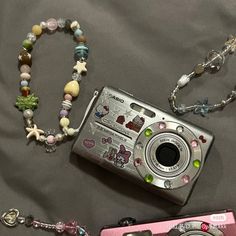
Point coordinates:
pixel 72 88
pixel 64 122
pixel 37 30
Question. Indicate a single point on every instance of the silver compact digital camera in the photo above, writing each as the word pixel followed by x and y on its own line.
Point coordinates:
pixel 143 144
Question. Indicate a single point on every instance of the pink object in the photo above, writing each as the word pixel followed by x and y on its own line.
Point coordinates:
pixel 137 161
pixel 162 125
pixel 161 228
pixel 194 143
pixel 68 97
pixel 89 143
pixel 71 227
pixel 186 179
pixel 60 227
pixel 52 24
pixel 51 139
pixel 205 227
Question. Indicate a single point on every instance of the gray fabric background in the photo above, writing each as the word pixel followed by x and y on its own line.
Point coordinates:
pixel 140 46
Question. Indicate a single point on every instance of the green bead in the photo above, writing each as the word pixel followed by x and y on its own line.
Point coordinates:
pixel 27 44
pixel 29 102
pixel 197 163
pixel 148 132
pixel 148 178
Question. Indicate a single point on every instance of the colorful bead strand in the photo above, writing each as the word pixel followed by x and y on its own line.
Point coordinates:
pixel 12 218
pixel 213 63
pixel 28 102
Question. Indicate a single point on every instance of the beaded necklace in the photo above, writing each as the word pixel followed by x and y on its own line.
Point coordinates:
pixel 213 63
pixel 28 102
pixel 12 218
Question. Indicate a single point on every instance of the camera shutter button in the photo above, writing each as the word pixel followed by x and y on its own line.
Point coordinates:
pixel 127 221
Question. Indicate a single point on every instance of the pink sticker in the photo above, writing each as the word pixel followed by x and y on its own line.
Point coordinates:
pixel 89 143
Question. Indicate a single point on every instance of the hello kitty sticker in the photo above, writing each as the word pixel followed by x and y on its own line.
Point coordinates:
pixel 101 111
pixel 120 158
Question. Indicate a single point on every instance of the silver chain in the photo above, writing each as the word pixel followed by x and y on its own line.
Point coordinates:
pixel 212 63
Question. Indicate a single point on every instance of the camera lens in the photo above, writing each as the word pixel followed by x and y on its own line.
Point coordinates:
pixel 167 154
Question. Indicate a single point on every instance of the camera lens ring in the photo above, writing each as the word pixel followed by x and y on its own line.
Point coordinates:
pixel 162 140
pixel 195 228
pixel 149 174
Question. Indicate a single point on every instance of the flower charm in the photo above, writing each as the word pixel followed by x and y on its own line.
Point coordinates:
pixel 29 102
pixel 34 132
pixel 202 108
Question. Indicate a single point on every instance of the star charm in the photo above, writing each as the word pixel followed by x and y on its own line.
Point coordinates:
pixel 34 132
pixel 128 113
pixel 80 67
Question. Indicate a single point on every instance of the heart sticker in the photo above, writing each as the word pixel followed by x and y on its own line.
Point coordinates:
pixel 89 143
pixel 10 217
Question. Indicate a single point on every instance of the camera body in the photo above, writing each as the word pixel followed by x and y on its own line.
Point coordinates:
pixel 221 223
pixel 143 144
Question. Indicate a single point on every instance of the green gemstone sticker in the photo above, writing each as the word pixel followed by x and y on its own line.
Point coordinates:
pixel 148 178
pixel 148 132
pixel 196 163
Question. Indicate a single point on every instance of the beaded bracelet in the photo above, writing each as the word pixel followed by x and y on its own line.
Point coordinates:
pixel 12 218
pixel 28 102
pixel 213 63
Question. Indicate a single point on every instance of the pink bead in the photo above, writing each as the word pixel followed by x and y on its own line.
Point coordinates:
pixel 186 179
pixel 71 228
pixel 60 227
pixel 51 139
pixel 68 97
pixel 52 24
pixel 25 69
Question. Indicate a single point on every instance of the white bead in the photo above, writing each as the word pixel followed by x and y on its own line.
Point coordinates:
pixel 43 24
pixel 67 104
pixel 183 81
pixel 74 25
pixel 25 76
pixel 59 137
pixel 71 131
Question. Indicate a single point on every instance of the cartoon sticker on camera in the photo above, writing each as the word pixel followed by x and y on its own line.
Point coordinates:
pixel 122 157
pixel 110 154
pixel 101 111
pixel 136 124
pixel 119 158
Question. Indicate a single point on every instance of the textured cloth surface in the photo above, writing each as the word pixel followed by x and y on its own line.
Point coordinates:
pixel 142 47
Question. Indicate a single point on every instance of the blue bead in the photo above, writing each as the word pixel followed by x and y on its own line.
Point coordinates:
pixel 24 83
pixel 81 51
pixel 78 33
pixel 81 46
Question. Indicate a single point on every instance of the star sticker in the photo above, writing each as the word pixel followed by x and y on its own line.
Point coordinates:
pixel 80 67
pixel 34 132
pixel 20 57
pixel 128 113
